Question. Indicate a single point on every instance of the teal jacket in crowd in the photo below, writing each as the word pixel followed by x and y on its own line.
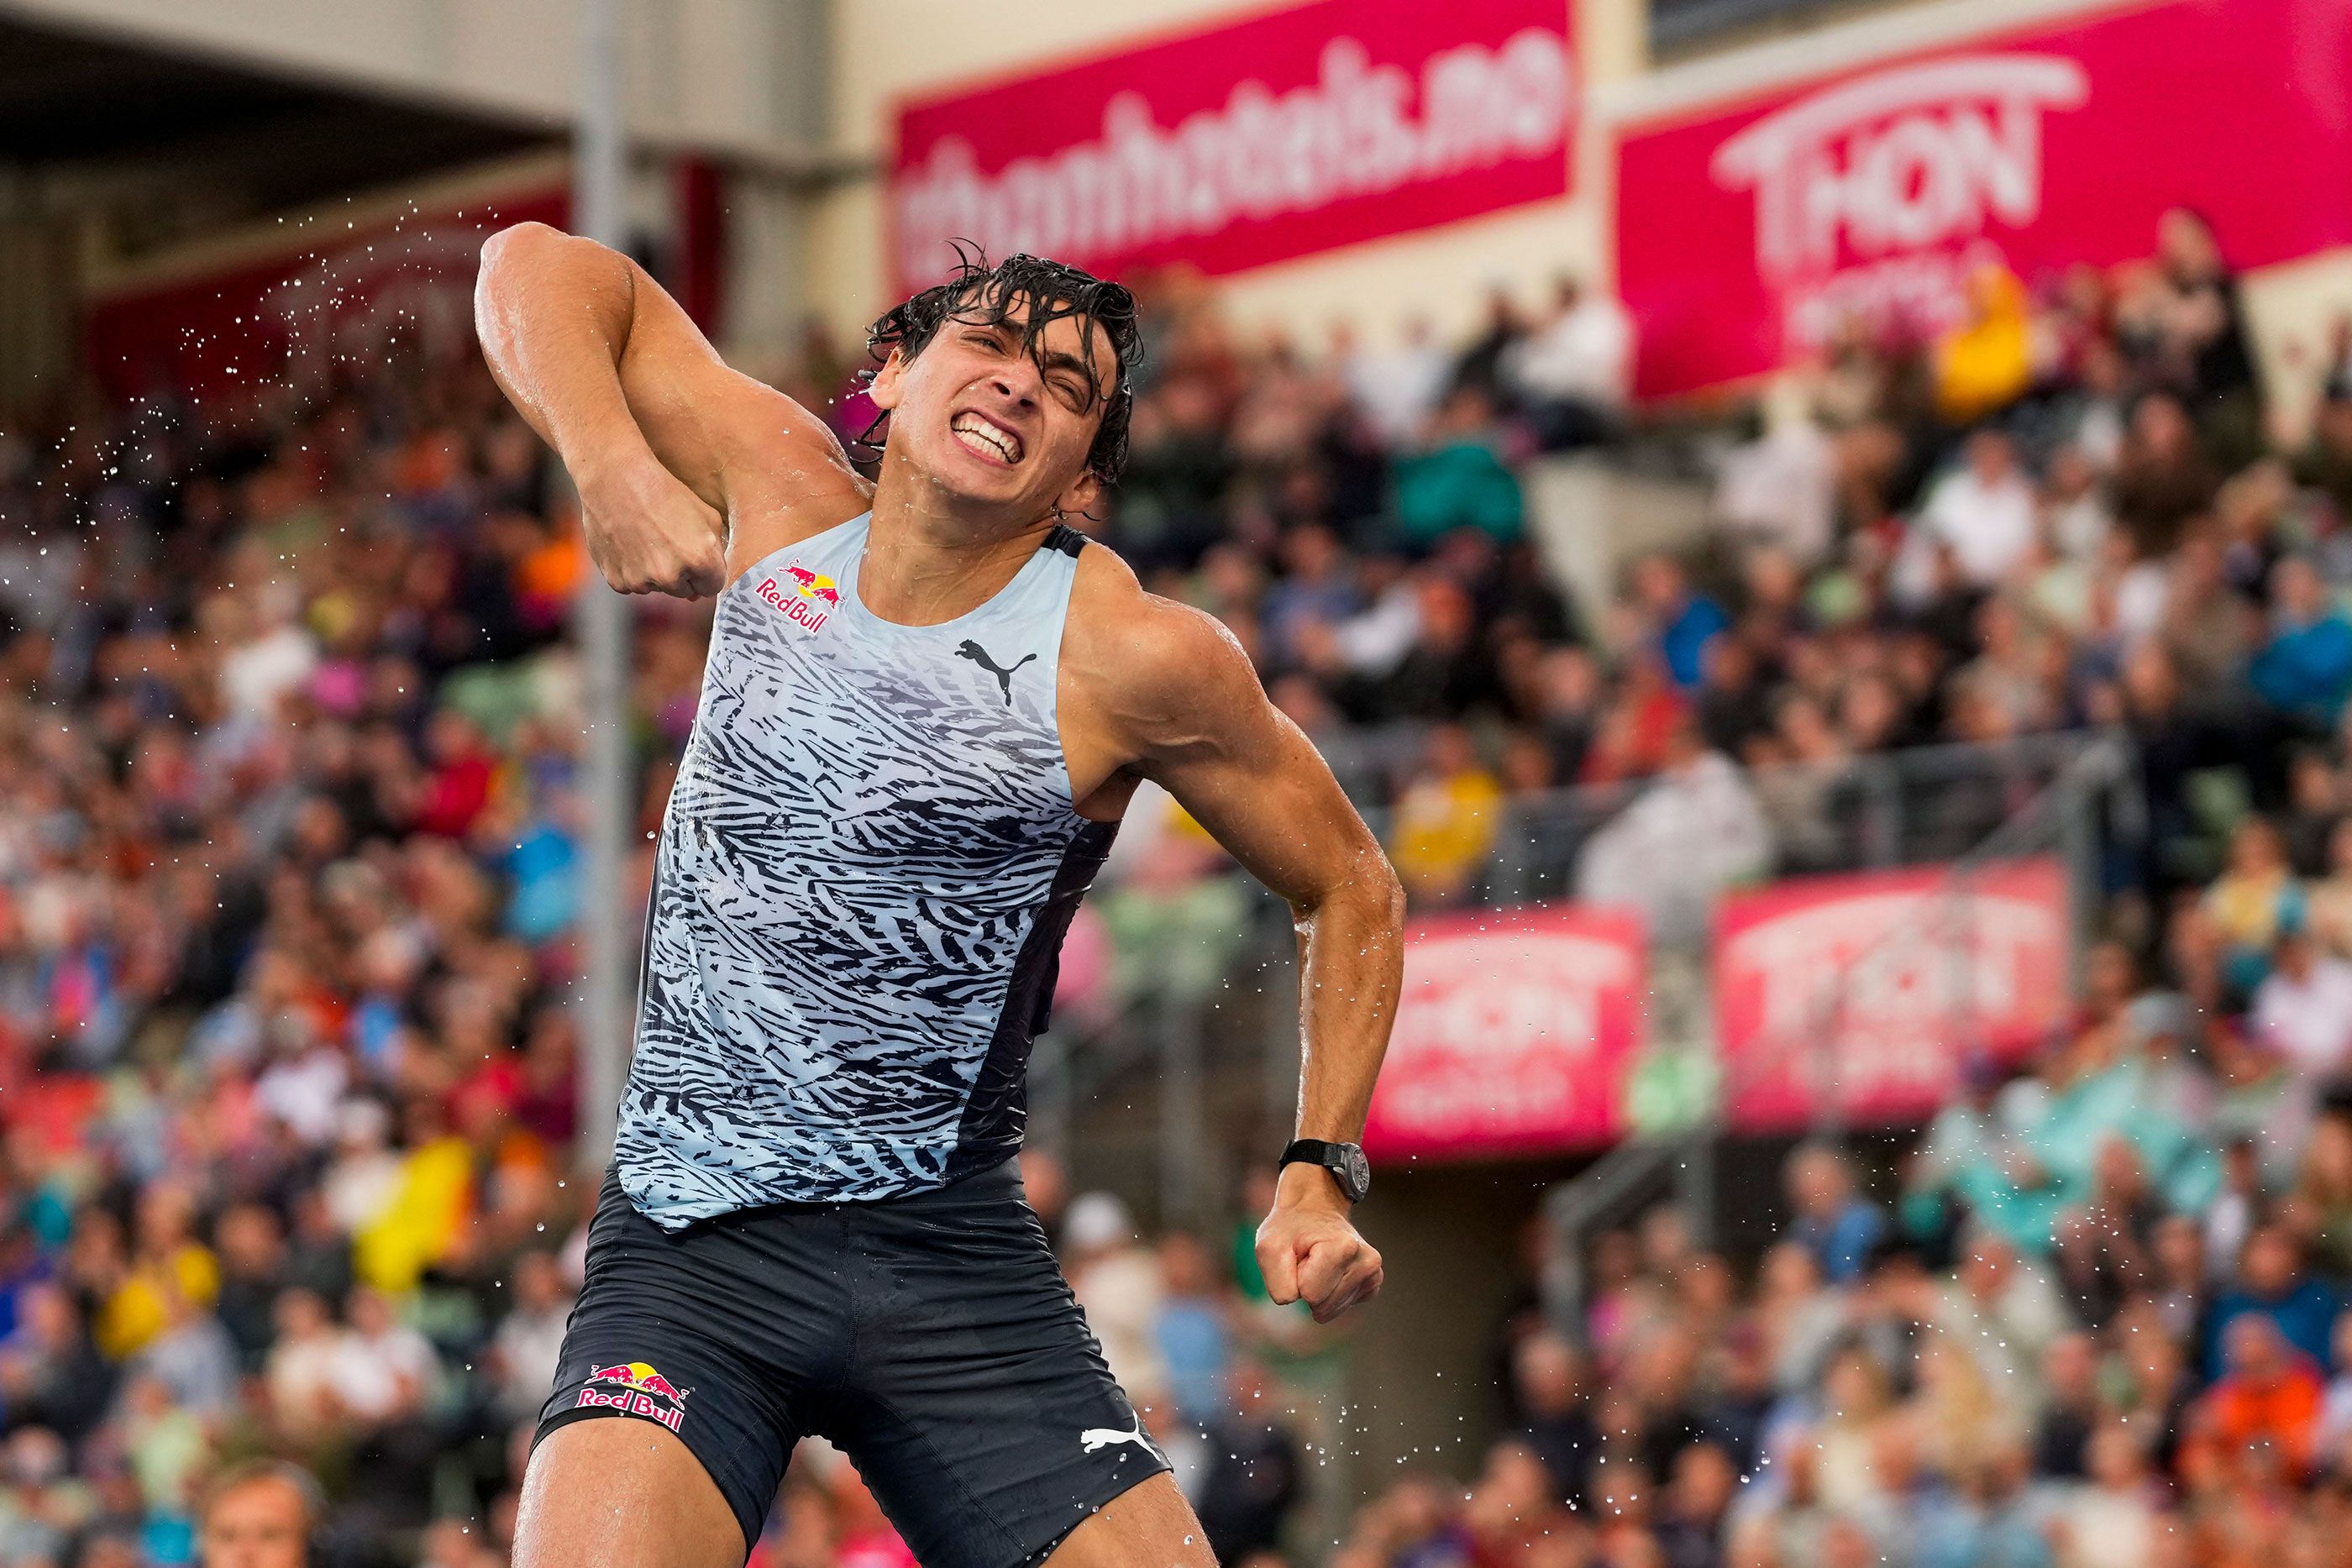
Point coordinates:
pixel 1462 485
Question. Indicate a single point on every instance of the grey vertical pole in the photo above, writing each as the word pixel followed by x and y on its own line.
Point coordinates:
pixel 601 622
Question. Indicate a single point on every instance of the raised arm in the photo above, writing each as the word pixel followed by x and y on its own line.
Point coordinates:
pixel 671 450
pixel 1200 725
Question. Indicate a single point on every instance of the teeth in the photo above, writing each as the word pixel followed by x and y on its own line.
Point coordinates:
pixel 973 430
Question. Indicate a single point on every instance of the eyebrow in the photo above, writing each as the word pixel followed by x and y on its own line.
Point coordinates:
pixel 1064 361
pixel 1050 362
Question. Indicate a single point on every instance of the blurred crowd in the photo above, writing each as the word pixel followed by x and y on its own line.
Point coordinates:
pixel 2094 1314
pixel 2101 1317
pixel 289 868
pixel 2071 507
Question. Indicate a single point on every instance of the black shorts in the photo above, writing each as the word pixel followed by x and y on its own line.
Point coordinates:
pixel 931 1338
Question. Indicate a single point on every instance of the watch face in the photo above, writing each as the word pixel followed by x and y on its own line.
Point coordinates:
pixel 1359 1174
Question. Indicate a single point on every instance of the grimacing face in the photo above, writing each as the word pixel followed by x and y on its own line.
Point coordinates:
pixel 993 426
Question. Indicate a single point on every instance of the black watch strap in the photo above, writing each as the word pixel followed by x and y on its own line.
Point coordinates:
pixel 1346 1163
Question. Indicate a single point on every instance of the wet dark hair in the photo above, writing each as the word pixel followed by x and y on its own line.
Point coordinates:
pixel 1051 291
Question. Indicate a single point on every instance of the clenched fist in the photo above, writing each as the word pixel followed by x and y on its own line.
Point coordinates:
pixel 647 533
pixel 1308 1249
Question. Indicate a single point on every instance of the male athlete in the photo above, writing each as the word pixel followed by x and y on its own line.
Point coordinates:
pixel 927 704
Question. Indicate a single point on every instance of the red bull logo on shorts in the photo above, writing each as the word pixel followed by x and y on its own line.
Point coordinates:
pixel 640 1391
pixel 805 597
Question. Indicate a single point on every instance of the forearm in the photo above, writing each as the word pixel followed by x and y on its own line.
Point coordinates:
pixel 553 313
pixel 1351 961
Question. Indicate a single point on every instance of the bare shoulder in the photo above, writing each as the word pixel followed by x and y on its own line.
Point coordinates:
pixel 1163 672
pixel 772 440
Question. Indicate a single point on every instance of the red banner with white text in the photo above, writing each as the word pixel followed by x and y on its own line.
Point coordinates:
pixel 1514 1034
pixel 1746 232
pixel 1864 995
pixel 1316 126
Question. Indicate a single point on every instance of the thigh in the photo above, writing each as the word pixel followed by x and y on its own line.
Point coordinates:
pixel 1148 1523
pixel 667 1340
pixel 979 1409
pixel 629 1494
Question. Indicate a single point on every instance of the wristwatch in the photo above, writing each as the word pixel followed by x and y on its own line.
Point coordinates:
pixel 1346 1163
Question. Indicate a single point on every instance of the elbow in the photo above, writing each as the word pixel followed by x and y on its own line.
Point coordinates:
pixel 1367 894
pixel 498 254
pixel 508 246
pixel 1378 892
pixel 517 236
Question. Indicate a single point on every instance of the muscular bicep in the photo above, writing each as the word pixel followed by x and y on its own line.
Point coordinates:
pixel 1253 779
pixel 731 438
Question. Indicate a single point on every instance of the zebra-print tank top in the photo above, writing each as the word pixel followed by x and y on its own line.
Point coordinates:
pixel 868 861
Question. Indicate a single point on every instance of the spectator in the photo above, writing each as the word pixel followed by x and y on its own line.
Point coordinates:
pixel 1695 831
pixel 2303 1006
pixel 1445 820
pixel 301 1376
pixel 1986 362
pixel 1253 1476
pixel 2251 902
pixel 1833 1221
pixel 260 1514
pixel 1985 514
pixel 1691 1526
pixel 2004 1310
pixel 1548 1381
pixel 2163 477
pixel 1117 1280
pixel 1194 1342
pixel 1678 623
pixel 530 1339
pixel 253 1250
pixel 2070 1407
pixel 51 1376
pixel 1458 481
pixel 1572 374
pixel 2273 1286
pixel 1396 391
pixel 2306 668
pixel 2320 1206
pixel 2115 1521
pixel 1987 1519
pixel 2268 1393
pixel 2193 325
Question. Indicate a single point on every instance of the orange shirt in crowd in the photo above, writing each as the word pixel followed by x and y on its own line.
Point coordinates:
pixel 2283 1411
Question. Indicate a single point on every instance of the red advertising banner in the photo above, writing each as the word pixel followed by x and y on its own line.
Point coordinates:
pixel 343 291
pixel 1514 1034
pixel 1865 993
pixel 1746 232
pixel 1312 127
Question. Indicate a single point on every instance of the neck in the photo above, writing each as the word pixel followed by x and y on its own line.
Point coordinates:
pixel 930 556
